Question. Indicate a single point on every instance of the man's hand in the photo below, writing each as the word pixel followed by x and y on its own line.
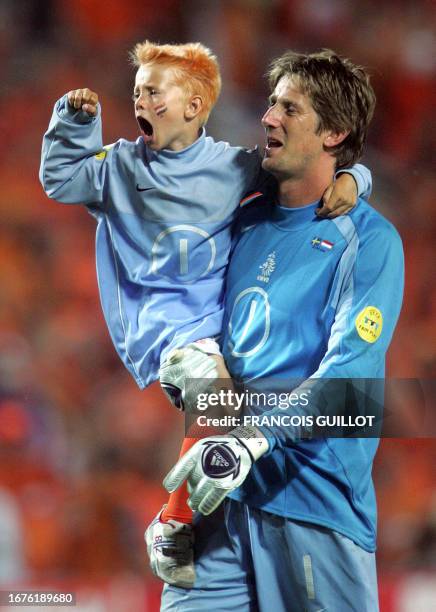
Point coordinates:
pixel 171 553
pixel 83 99
pixel 339 198
pixel 189 372
pixel 215 466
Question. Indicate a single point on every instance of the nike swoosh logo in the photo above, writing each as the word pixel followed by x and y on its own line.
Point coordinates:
pixel 138 188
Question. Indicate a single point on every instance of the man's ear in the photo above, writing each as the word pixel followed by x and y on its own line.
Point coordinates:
pixel 332 139
pixel 193 107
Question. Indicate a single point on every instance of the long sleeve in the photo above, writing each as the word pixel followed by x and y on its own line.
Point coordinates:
pixel 73 163
pixel 367 297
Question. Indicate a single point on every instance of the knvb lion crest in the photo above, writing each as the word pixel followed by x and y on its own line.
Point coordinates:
pixel 219 461
pixel 267 268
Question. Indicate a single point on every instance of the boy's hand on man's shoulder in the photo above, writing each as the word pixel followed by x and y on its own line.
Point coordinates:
pixel 83 99
pixel 339 198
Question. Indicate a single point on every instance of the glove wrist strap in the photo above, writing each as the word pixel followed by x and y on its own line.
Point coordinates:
pixel 253 440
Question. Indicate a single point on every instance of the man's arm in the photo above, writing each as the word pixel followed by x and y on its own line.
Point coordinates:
pixel 74 164
pixel 367 302
pixel 367 299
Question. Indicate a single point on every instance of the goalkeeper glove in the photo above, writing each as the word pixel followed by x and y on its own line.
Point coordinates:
pixel 186 373
pixel 171 553
pixel 215 466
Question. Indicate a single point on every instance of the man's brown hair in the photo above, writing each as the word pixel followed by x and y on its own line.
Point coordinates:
pixel 340 93
pixel 195 68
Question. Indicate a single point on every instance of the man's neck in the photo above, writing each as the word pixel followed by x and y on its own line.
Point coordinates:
pixel 295 192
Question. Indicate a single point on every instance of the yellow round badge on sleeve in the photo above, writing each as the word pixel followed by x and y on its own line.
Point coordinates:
pixel 369 324
pixel 102 154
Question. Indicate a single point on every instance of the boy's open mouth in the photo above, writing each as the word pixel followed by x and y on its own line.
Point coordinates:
pixel 146 128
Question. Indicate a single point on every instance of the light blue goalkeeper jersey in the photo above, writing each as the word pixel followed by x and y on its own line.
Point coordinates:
pixel 163 229
pixel 314 298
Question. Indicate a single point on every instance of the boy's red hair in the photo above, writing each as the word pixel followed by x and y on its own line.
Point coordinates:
pixel 195 68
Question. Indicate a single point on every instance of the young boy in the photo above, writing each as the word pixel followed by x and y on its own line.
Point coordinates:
pixel 164 206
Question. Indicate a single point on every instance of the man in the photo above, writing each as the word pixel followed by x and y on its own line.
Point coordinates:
pixel 319 300
pixel 164 207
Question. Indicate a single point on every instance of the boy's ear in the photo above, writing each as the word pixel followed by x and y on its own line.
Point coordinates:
pixel 193 107
pixel 332 139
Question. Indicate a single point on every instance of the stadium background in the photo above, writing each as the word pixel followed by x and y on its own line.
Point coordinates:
pixel 82 451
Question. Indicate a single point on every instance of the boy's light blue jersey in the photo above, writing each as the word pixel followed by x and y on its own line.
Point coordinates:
pixel 314 298
pixel 163 229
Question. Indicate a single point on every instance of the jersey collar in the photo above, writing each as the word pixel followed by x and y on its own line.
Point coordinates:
pixel 294 218
pixel 188 154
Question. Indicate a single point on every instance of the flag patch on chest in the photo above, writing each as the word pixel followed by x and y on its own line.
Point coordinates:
pixel 321 244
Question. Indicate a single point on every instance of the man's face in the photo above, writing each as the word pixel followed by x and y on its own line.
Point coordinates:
pixel 293 147
pixel 160 107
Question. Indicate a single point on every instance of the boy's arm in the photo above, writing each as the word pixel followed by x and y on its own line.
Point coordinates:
pixel 73 163
pixel 342 195
pixel 363 178
pixel 338 199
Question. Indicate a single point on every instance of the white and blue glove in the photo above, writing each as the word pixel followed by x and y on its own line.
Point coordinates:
pixel 191 371
pixel 215 466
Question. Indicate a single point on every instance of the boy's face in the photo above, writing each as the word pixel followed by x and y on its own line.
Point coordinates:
pixel 160 108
